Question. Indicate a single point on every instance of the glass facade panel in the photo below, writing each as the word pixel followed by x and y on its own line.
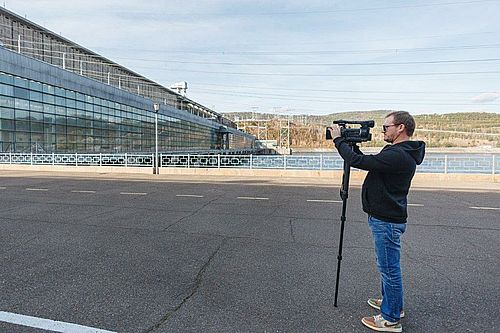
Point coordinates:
pixel 6 101
pixel 6 89
pixel 21 104
pixel 37 117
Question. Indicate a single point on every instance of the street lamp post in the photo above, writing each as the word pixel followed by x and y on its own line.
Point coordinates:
pixel 156 108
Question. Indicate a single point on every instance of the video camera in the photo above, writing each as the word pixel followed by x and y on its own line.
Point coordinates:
pixel 361 134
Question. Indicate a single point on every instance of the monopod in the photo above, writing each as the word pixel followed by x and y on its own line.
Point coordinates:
pixel 344 193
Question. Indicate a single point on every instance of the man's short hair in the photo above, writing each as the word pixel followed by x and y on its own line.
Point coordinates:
pixel 403 117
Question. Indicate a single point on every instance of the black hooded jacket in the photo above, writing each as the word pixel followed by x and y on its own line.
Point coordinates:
pixel 385 189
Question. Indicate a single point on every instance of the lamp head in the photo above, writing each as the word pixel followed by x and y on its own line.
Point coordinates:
pixel 156 107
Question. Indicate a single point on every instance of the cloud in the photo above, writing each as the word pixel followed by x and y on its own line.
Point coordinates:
pixel 486 97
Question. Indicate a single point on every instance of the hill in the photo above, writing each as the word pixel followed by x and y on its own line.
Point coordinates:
pixel 437 130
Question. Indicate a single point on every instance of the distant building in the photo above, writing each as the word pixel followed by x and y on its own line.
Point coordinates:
pixel 56 96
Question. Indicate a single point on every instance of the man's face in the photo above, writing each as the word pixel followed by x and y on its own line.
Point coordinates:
pixel 390 129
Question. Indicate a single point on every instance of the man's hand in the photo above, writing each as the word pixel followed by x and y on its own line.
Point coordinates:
pixel 334 131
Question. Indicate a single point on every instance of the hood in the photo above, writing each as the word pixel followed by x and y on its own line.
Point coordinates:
pixel 416 149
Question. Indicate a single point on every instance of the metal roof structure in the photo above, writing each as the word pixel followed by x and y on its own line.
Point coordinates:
pixel 33 40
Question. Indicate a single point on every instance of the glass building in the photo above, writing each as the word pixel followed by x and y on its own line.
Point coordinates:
pixel 47 107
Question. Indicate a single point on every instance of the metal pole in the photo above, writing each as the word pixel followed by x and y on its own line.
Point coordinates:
pixel 156 109
pixel 493 166
pixel 156 143
pixel 288 135
pixel 281 140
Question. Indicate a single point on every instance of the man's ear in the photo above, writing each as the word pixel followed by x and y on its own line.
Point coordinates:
pixel 403 127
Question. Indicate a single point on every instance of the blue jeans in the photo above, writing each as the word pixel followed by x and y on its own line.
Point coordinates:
pixel 387 240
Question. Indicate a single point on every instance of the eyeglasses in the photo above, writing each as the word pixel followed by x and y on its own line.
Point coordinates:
pixel 385 127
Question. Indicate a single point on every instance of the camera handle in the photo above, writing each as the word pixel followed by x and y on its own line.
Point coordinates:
pixel 344 194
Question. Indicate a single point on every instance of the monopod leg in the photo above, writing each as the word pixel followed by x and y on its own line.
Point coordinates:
pixel 344 193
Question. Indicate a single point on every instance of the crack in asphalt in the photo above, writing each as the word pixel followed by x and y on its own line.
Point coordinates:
pixel 193 213
pixel 291 231
pixel 19 244
pixel 197 283
pixel 58 203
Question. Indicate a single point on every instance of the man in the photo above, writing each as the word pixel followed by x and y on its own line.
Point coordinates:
pixel 384 198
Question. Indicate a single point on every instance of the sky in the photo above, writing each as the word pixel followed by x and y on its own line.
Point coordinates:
pixel 297 57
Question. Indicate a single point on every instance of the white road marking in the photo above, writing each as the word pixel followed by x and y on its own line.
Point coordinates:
pixel 252 198
pixel 485 208
pixel 82 191
pixel 47 324
pixel 37 189
pixel 189 195
pixel 133 193
pixel 416 205
pixel 322 200
pixel 2 187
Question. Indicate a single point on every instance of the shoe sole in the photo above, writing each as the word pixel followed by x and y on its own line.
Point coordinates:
pixel 401 315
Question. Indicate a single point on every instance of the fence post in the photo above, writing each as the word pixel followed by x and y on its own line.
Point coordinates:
pixel 76 159
pixel 445 164
pixel 188 160
pixel 100 159
pixel 284 161
pixel 53 159
pixel 10 157
pixel 160 162
pixel 251 161
pixel 218 161
pixel 126 160
pixel 31 158
pixel 321 161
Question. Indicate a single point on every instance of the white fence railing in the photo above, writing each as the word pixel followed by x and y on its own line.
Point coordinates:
pixel 438 163
pixel 125 160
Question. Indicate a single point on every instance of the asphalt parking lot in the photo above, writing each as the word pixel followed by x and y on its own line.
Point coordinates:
pixel 173 256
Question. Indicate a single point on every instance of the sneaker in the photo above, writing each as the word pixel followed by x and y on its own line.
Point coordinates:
pixel 376 303
pixel 378 323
